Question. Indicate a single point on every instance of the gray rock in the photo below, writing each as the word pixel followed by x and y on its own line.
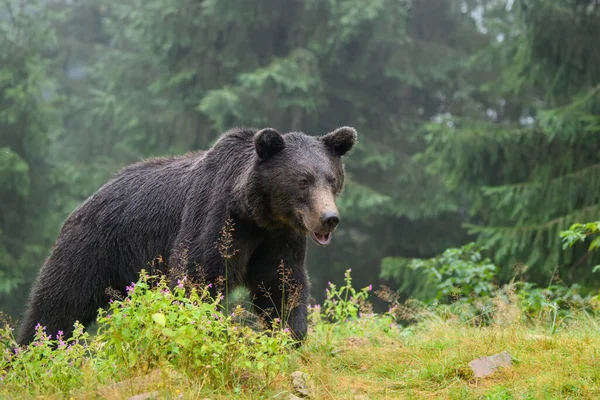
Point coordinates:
pixel 486 366
pixel 299 382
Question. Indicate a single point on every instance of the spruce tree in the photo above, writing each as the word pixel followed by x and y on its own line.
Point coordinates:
pixel 527 163
pixel 28 122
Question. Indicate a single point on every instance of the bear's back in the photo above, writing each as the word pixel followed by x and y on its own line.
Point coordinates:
pixel 137 213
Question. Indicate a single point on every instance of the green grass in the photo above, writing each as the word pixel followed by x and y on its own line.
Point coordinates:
pixel 432 362
pixel 346 356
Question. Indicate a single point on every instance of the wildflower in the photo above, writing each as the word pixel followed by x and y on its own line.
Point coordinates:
pixel 78 330
pixel 130 288
pixel 370 288
pixel 180 283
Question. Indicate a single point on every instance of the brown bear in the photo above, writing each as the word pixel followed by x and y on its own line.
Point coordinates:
pixel 275 188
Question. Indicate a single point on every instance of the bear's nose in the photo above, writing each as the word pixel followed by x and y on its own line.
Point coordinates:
pixel 330 220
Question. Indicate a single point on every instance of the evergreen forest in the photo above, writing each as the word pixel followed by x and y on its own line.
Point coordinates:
pixel 478 121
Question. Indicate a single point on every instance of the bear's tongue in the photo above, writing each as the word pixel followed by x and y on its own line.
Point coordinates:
pixel 322 239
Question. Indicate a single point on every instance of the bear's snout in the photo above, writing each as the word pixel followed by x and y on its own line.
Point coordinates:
pixel 323 216
pixel 330 220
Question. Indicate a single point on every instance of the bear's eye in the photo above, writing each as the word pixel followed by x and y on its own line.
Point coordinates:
pixel 303 183
pixel 332 180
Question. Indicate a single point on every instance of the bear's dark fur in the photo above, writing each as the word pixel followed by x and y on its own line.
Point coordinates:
pixel 275 188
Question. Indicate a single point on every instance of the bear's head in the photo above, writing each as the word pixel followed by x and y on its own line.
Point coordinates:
pixel 300 177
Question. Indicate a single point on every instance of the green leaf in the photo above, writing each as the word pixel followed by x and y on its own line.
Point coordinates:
pixel 159 319
pixel 168 332
pixel 595 243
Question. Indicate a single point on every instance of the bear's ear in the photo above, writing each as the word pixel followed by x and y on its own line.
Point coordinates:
pixel 341 140
pixel 268 142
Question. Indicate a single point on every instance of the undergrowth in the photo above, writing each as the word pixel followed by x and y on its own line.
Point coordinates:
pixel 182 343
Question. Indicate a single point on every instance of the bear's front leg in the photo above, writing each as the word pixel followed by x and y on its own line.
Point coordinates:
pixel 278 281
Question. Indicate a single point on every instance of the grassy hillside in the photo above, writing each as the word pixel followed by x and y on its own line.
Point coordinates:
pixel 166 344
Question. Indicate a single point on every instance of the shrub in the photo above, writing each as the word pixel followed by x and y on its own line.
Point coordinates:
pixel 153 326
pixel 186 328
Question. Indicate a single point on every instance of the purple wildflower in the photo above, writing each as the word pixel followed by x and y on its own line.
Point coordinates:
pixel 130 288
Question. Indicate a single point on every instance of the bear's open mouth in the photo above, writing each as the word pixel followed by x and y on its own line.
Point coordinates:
pixel 322 239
